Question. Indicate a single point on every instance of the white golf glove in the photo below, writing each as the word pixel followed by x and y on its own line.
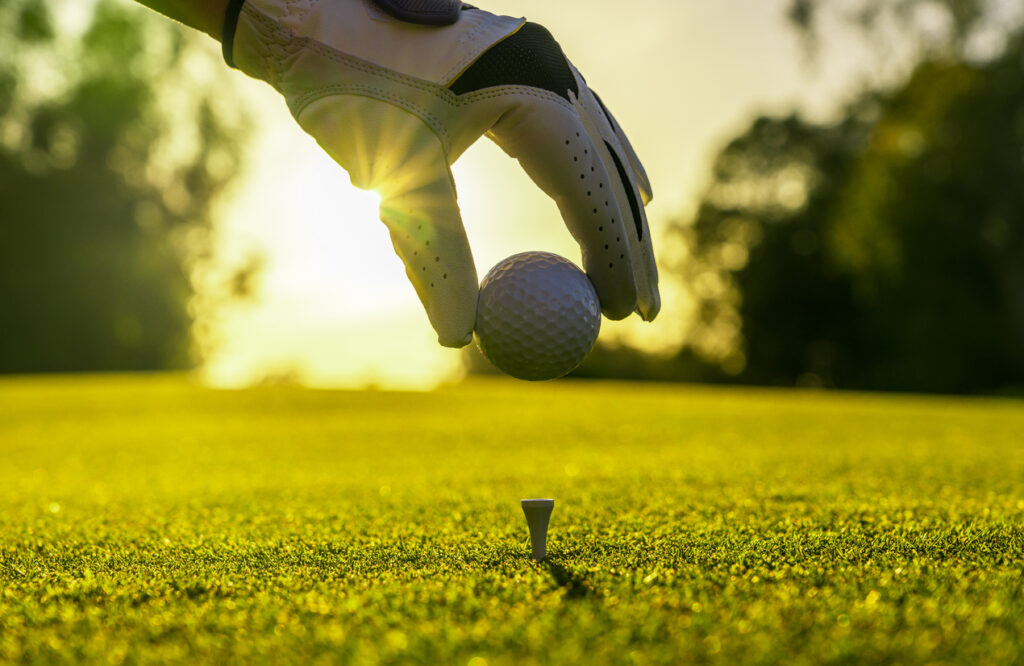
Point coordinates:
pixel 396 90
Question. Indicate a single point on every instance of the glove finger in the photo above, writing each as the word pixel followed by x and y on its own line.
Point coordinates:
pixel 427 233
pixel 387 149
pixel 630 184
pixel 572 148
pixel 573 153
pixel 555 149
pixel 643 183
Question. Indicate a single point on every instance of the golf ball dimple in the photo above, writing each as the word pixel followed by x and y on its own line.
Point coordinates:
pixel 538 316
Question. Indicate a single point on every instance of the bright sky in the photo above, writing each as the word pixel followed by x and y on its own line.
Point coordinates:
pixel 682 76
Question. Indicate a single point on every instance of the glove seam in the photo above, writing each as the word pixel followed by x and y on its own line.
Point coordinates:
pixel 294 41
pixel 298 14
pixel 456 101
pixel 272 32
pixel 290 39
pixel 473 55
pixel 436 125
pixel 270 35
pixel 501 91
pixel 337 89
pixel 270 64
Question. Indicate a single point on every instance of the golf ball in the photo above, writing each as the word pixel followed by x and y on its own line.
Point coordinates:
pixel 538 316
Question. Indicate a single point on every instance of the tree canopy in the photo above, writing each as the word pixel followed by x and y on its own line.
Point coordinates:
pixel 884 250
pixel 112 151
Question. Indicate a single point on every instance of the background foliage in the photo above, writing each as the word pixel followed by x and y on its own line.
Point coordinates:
pixel 112 152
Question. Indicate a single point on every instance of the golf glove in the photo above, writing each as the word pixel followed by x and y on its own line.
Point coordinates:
pixel 396 90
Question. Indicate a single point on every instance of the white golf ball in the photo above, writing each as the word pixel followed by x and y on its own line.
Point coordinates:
pixel 538 316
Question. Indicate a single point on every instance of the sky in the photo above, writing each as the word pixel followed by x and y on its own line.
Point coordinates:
pixel 333 305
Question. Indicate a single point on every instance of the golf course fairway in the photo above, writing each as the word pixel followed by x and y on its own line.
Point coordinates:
pixel 146 519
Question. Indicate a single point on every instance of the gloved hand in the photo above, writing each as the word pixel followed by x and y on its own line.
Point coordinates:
pixel 396 90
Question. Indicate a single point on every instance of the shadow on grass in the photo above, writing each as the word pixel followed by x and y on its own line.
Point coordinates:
pixel 576 586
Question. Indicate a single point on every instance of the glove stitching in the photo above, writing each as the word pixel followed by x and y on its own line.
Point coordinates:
pixel 436 124
pixel 432 121
pixel 289 42
pixel 269 64
pixel 423 85
pixel 369 68
pixel 285 36
pixel 279 55
pixel 274 35
pixel 463 62
pixel 472 55
pixel 510 90
pixel 292 10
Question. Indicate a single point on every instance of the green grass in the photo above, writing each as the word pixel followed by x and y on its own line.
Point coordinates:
pixel 145 520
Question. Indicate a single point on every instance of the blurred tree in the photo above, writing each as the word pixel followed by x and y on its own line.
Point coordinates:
pixel 881 251
pixel 916 29
pixel 112 150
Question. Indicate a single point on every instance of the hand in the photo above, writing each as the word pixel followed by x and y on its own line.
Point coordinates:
pixel 395 96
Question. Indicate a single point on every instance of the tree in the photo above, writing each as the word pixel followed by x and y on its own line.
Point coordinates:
pixel 110 158
pixel 882 251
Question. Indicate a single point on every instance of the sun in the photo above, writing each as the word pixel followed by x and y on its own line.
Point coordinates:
pixel 334 307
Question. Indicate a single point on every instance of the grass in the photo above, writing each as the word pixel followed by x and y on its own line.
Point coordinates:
pixel 146 520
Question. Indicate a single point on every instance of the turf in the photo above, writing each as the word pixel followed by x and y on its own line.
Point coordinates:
pixel 147 520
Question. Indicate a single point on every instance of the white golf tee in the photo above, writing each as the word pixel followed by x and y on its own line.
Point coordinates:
pixel 538 512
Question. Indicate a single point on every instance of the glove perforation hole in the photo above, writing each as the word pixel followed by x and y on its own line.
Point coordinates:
pixel 600 228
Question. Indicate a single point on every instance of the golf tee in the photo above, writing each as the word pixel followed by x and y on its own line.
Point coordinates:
pixel 538 513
